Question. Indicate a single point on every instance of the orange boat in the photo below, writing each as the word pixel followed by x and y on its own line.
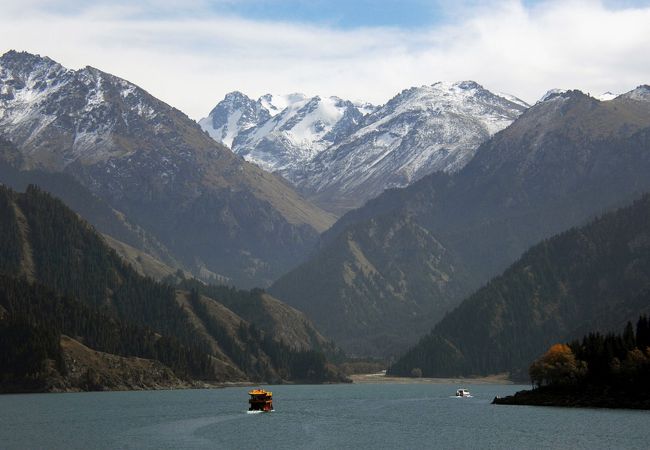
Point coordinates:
pixel 260 400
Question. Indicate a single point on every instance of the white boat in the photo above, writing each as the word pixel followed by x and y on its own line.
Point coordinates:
pixel 463 393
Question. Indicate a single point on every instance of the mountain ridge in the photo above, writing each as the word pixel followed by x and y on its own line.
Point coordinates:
pixel 355 154
pixel 155 165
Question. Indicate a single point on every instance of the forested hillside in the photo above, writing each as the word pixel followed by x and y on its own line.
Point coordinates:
pixel 60 279
pixel 594 278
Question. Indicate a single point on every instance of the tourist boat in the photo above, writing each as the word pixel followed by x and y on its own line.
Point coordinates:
pixel 463 393
pixel 260 400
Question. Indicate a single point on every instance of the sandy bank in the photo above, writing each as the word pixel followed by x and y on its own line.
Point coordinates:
pixel 379 378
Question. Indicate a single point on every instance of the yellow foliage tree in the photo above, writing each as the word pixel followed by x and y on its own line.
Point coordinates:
pixel 558 366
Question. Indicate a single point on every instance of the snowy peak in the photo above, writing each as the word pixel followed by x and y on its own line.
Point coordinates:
pixel 421 130
pixel 275 104
pixel 562 95
pixel 365 107
pixel 234 114
pixel 328 146
pixel 463 97
pixel 553 93
pixel 640 94
pixel 85 109
pixel 25 78
pixel 22 64
pixel 281 132
pixel 309 121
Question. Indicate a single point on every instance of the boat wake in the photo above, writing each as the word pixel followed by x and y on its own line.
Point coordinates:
pixel 259 412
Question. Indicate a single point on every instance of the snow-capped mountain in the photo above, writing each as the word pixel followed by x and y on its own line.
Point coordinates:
pixel 212 210
pixel 341 154
pixel 420 131
pixel 234 114
pixel 552 93
pixel 604 97
pixel 39 99
pixel 640 94
pixel 282 133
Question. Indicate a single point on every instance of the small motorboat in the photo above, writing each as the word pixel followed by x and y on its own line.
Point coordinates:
pixel 463 393
pixel 261 400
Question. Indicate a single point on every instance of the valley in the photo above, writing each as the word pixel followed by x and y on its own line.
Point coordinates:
pixel 335 234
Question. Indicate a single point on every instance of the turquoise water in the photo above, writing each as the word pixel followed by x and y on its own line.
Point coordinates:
pixel 311 417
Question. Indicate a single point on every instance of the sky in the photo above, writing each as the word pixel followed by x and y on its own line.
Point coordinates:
pixel 190 53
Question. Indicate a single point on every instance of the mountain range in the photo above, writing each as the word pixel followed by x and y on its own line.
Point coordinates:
pixel 281 133
pixel 402 261
pixel 340 154
pixel 456 183
pixel 215 213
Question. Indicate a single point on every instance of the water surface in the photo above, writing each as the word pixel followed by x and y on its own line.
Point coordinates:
pixel 373 416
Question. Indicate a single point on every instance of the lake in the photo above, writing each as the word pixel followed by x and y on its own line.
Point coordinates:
pixel 373 416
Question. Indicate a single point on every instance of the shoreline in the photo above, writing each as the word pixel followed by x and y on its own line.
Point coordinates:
pixel 366 378
pixel 590 397
pixel 381 378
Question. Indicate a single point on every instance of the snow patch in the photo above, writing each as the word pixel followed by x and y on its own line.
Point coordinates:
pixel 607 96
pixel 552 93
pixel 642 94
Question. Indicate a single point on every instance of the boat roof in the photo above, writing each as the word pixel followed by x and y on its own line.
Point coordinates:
pixel 259 392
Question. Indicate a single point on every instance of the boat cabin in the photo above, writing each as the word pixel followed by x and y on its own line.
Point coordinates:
pixel 462 393
pixel 260 400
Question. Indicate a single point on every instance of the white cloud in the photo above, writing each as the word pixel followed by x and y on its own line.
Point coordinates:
pixel 191 60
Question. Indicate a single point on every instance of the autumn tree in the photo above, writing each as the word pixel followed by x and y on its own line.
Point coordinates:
pixel 558 366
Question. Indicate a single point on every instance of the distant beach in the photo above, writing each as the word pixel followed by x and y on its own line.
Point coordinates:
pixel 380 377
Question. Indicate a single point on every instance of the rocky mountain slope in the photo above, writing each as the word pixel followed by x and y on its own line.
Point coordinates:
pixel 420 131
pixel 592 278
pixel 233 115
pixel 370 284
pixel 340 154
pixel 101 215
pixel 211 209
pixel 562 162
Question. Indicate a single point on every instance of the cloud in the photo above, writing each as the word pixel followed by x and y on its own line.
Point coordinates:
pixel 190 54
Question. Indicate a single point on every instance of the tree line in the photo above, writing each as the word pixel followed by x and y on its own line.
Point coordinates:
pixel 621 360
pixel 34 317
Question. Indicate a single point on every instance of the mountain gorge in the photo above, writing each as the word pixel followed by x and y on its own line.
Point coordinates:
pixel 563 161
pixel 341 154
pixel 591 278
pixel 155 165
